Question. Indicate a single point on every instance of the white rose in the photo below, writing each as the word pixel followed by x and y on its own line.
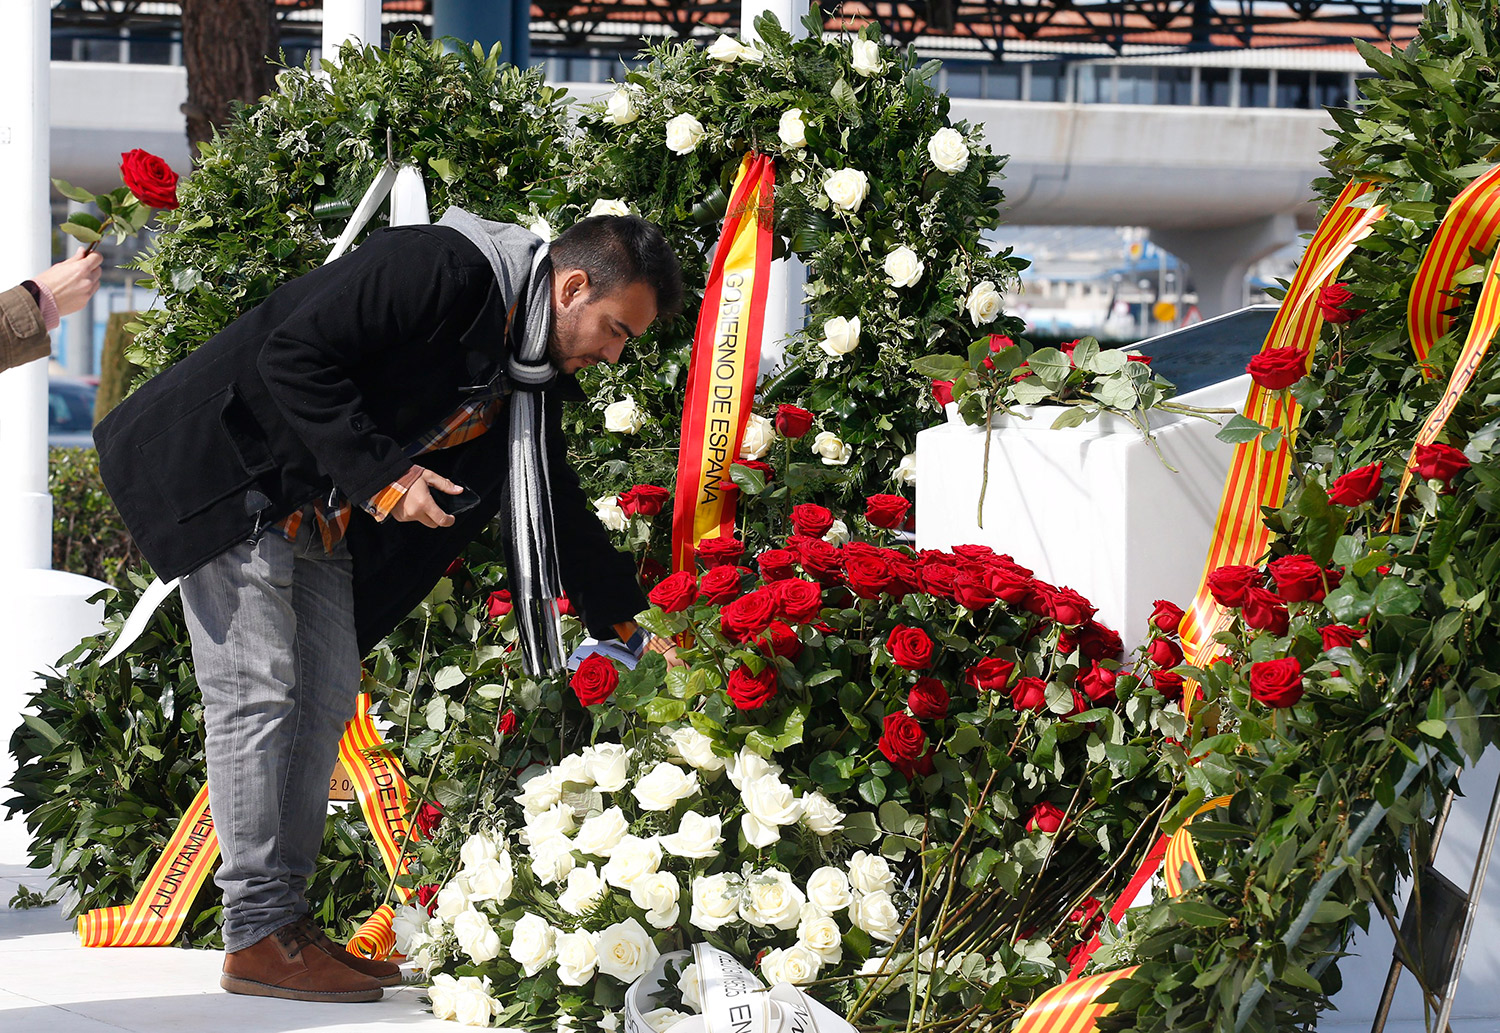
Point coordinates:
pixel 820 934
pixel 476 937
pixel 443 990
pixel 599 834
pixel 421 953
pixel 726 49
pixel 769 804
pixel 634 858
pixel 624 417
pixel 691 985
pixel 555 821
pixel 840 336
pixel 870 873
pixel 542 228
pixel 576 958
pixel 828 890
pixel 716 901
pixel 491 880
pixel 983 303
pixel 574 769
pixel 552 859
pixel 585 887
pixel 609 1021
pixel 847 188
pixel 662 1019
pixel 452 900
pixel 793 131
pixel 832 448
pixel 796 965
pixel 838 533
pixel 865 53
pixel 696 836
pixel 751 54
pixel 903 267
pixel 533 943
pixel 820 815
pixel 948 150
pixel 472 1004
pixel 620 109
pixel 657 895
pixel 772 899
pixel 747 765
pixel 683 134
pixel 663 786
pixel 540 791
pixel 609 206
pixel 906 473
pixel 760 435
pixel 626 951
pixel 876 915
pixel 409 922
pixel 608 764
pixel 696 748
pixel 477 849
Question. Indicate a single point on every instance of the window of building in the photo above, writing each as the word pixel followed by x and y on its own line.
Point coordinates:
pixel 1094 85
pixel 1330 89
pixel 1003 82
pixel 1213 87
pixel 1174 85
pixel 1293 88
pixel 1136 85
pixel 1048 81
pixel 1255 87
pixel 105 49
pixel 149 50
pixel 965 79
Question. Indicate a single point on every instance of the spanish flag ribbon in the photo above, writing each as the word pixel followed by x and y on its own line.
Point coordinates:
pixel 1257 477
pixel 724 365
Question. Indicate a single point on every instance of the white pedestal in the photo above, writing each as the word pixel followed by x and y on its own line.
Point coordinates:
pixel 1090 507
pixel 43 615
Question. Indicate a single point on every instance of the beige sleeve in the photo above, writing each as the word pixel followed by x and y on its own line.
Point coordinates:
pixel 23 335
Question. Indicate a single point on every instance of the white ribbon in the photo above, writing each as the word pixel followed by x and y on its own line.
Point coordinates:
pixel 734 999
pixel 145 608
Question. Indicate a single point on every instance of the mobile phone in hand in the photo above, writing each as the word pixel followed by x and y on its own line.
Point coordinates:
pixel 453 505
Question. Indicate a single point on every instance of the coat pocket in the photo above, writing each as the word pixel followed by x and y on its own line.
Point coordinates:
pixel 208 453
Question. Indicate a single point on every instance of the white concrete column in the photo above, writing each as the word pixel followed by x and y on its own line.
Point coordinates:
pixel 1220 258
pixel 78 329
pixel 346 20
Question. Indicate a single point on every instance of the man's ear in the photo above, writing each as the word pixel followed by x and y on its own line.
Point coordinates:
pixel 572 287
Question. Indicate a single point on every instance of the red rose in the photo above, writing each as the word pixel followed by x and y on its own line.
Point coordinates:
pixel 1438 463
pixel 937 579
pixel 1333 302
pixel 1013 588
pixel 1277 369
pixel 1039 599
pixel 909 647
pixel 1299 578
pixel 427 896
pixel 499 604
pixel 748 615
pixel 798 601
pixel 1045 817
pixel 675 593
pixel 868 574
pixel 1030 693
pixel 811 520
pixel 977 553
pixel 721 584
pixel 764 469
pixel 1228 585
pixel 150 179
pixel 1144 360
pixel 1356 486
pixel 1167 616
pixel 719 552
pixel 1164 652
pixel 942 391
pixel 645 499
pixel 888 511
pixel 817 557
pixel 565 607
pixel 1099 683
pixel 777 564
pixel 1168 683
pixel 904 738
pixel 507 723
pixel 595 680
pixel 1336 635
pixel 990 674
pixel 1264 610
pixel 1068 607
pixel 752 691
pixel 999 342
pixel 780 640
pixel 651 572
pixel 428 817
pixel 792 422
pixel 1276 683
pixel 1098 642
pixel 971 593
pixel 455 568
pixel 927 698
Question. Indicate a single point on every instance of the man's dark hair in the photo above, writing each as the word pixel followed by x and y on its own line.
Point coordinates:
pixel 618 250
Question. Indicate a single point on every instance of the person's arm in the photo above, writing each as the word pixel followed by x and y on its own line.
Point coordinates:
pixel 397 287
pixel 23 333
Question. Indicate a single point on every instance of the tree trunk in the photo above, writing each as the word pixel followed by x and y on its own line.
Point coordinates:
pixel 225 44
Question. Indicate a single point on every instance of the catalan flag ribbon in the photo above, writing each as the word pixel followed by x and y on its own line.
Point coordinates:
pixel 724 365
pixel 1071 1007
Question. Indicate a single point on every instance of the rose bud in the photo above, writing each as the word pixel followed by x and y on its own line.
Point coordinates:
pixel 1166 616
pixel 792 421
pixel 1277 369
pixel 1164 652
pixel 1277 683
pixel 1356 486
pixel 1045 817
pixel 1333 303
pixel 888 511
pixel 595 680
pixel 1439 463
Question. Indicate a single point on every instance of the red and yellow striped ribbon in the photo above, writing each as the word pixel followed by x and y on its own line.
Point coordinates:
pixel 1182 855
pixel 1472 222
pixel 1070 1007
pixel 155 917
pixel 376 938
pixel 1257 477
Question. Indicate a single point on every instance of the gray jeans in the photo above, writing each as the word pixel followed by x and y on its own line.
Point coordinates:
pixel 272 624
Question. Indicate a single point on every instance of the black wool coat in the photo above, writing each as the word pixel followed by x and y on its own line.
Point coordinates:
pixel 318 389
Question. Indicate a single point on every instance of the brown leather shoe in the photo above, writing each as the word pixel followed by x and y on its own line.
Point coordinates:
pixel 289 964
pixel 386 973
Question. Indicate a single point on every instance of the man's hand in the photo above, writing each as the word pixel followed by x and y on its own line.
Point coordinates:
pixel 72 281
pixel 665 647
pixel 418 504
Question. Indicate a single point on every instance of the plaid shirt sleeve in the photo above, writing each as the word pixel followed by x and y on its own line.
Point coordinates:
pixel 380 505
